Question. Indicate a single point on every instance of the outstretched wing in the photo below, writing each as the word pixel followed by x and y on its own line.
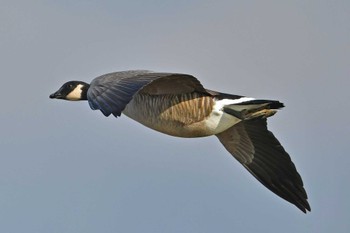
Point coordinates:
pixel 257 149
pixel 111 93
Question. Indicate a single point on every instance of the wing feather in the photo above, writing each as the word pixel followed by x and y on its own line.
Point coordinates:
pixel 265 158
pixel 111 93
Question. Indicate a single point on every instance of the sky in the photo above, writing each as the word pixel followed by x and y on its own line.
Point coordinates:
pixel 66 168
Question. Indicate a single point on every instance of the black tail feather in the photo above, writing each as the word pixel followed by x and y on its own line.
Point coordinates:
pixel 271 104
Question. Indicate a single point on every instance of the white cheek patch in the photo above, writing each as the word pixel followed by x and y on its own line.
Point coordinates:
pixel 76 93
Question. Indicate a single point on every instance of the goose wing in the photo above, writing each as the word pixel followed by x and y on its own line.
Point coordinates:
pixel 110 93
pixel 257 149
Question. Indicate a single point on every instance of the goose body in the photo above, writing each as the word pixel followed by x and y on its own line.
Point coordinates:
pixel 178 105
pixel 188 115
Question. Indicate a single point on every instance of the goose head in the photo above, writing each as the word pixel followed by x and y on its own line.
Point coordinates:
pixel 72 90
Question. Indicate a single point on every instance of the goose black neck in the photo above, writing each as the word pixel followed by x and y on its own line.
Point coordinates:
pixel 84 90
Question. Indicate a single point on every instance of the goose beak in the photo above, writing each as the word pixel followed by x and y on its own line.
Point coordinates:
pixel 56 95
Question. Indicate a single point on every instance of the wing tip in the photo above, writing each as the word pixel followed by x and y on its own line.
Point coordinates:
pixel 304 207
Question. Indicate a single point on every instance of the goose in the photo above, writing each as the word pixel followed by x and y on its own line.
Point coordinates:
pixel 177 104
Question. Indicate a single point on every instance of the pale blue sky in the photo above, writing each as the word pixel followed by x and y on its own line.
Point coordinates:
pixel 66 168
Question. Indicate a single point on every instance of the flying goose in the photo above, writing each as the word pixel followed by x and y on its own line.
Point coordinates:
pixel 178 105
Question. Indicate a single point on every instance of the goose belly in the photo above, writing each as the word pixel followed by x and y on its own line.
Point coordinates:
pixel 193 116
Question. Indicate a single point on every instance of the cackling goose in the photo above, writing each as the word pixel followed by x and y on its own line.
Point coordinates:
pixel 178 105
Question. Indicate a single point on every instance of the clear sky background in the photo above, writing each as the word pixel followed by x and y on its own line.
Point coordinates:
pixel 66 168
